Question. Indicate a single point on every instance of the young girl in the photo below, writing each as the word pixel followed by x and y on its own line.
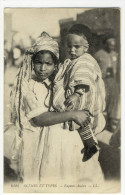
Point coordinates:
pixel 31 96
pixel 79 81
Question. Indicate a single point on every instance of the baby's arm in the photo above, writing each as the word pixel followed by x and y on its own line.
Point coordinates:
pixel 73 101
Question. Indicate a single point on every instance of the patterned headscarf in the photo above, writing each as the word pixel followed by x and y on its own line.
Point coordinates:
pixel 44 42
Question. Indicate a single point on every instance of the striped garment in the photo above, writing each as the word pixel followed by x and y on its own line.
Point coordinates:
pixel 83 70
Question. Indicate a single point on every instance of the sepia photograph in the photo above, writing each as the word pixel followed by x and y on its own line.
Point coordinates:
pixel 62 100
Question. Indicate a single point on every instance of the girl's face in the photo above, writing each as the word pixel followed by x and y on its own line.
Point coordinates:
pixel 75 45
pixel 43 66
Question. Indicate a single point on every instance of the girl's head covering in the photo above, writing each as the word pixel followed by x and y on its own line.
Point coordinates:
pixel 44 42
pixel 84 31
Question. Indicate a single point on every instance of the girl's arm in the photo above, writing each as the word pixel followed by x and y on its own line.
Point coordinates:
pixel 52 118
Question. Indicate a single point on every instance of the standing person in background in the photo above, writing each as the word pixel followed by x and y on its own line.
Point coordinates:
pixel 107 59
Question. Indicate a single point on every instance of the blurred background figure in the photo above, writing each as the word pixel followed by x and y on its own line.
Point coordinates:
pixel 107 59
pixel 14 53
pixel 13 58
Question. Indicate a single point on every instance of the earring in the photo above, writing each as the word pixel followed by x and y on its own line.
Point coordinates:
pixel 55 68
pixel 33 66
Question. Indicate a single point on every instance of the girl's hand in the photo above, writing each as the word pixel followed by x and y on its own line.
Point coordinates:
pixel 81 118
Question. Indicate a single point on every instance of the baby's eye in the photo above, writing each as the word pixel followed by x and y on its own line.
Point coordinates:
pixel 77 46
pixel 69 46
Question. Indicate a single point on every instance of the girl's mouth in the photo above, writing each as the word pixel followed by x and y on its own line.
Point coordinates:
pixel 42 74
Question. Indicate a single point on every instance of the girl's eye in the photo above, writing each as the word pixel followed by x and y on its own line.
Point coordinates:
pixel 48 63
pixel 37 64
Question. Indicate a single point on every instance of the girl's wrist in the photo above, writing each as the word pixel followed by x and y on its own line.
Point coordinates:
pixel 72 115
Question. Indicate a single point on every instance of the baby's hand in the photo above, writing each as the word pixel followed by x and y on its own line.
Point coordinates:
pixel 81 118
pixel 72 102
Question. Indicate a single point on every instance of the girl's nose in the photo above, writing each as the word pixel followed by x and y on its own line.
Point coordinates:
pixel 42 67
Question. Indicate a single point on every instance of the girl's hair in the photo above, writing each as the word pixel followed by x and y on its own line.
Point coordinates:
pixel 81 30
pixel 55 60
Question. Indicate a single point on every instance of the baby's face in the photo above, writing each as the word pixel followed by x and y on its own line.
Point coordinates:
pixel 75 45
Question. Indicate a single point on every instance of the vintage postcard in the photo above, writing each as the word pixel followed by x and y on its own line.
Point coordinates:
pixel 62 100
